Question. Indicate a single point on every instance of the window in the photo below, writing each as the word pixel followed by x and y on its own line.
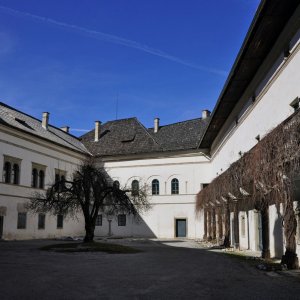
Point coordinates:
pixel 16 174
pixel 41 179
pixel 122 220
pixel 34 178
pixel 116 184
pixel 11 170
pixel 155 187
pixel 38 176
pixel 21 220
pixel 7 172
pixel 41 221
pixel 60 177
pixel 60 221
pixel 99 220
pixel 174 186
pixel 135 188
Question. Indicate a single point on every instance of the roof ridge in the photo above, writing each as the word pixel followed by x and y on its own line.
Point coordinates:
pixel 179 122
pixel 21 112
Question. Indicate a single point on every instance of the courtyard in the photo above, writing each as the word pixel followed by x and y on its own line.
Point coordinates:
pixel 171 269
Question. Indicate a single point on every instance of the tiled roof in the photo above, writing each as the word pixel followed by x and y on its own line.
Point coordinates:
pixel 21 121
pixel 129 136
pixel 121 137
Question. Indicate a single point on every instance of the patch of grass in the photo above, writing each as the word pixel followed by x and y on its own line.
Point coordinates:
pixel 90 247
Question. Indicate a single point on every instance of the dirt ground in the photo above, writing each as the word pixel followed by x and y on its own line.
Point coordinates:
pixel 163 270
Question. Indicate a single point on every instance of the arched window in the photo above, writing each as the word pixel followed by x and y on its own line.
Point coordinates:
pixel 174 186
pixel 134 188
pixel 7 172
pixel 41 179
pixel 116 184
pixel 16 174
pixel 155 187
pixel 34 179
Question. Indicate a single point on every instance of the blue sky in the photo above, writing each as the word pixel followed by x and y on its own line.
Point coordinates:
pixel 155 58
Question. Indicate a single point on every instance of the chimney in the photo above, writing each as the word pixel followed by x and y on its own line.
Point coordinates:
pixel 65 129
pixel 97 130
pixel 156 125
pixel 205 113
pixel 45 120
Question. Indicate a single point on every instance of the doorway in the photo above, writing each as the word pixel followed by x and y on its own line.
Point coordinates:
pixel 180 227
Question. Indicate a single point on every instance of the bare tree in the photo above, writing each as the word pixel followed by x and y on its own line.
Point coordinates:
pixel 90 191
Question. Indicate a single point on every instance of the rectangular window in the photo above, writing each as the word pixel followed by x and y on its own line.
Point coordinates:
pixel 60 221
pixel 41 222
pixel 99 220
pixel 21 220
pixel 122 220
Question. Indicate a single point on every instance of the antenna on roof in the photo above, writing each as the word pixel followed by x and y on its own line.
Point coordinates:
pixel 117 106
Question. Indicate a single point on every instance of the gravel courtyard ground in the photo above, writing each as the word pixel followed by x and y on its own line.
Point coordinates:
pixel 164 270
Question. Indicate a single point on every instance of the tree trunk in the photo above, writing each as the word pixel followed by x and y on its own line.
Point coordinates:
pixel 209 227
pixel 227 228
pixel 220 224
pixel 89 232
pixel 265 232
pixel 205 225
pixel 290 227
pixel 214 225
pixel 236 226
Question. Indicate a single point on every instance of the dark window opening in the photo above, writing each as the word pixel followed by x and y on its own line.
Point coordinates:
pixel 135 188
pixel 99 220
pixel 174 186
pixel 21 220
pixel 155 187
pixel 41 221
pixel 7 172
pixel 122 220
pixel 60 221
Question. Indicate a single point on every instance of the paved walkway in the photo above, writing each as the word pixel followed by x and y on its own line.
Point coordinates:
pixel 164 270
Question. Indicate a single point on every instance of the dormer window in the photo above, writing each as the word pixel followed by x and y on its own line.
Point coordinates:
pixel 295 104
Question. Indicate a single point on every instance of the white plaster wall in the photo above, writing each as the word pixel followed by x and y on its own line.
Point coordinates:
pixel 191 171
pixel 31 150
pixel 276 232
pixel 269 110
pixel 243 238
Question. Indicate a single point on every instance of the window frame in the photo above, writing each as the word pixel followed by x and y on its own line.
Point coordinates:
pixel 99 220
pixel 22 222
pixel 155 187
pixel 122 220
pixel 135 186
pixel 41 221
pixel 174 186
pixel 60 221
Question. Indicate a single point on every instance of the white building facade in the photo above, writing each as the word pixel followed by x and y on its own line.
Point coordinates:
pixel 174 161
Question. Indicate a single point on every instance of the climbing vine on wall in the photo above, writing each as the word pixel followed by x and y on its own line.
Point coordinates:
pixel 263 176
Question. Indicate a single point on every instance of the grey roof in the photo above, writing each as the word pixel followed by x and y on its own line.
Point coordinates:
pixel 129 136
pixel 13 118
pixel 269 21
